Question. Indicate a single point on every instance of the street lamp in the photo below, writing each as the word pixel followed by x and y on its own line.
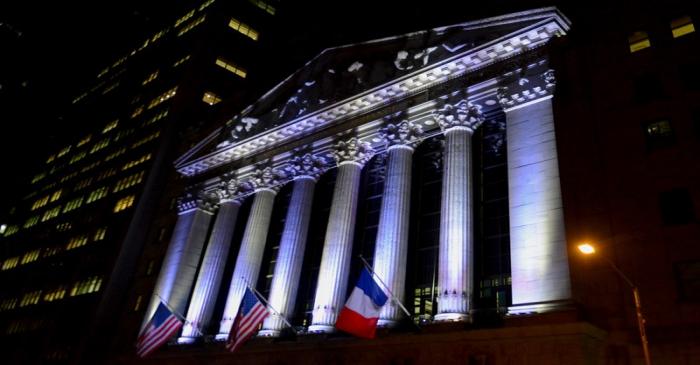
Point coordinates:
pixel 589 249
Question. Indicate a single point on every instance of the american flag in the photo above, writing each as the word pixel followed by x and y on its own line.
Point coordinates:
pixel 162 326
pixel 250 315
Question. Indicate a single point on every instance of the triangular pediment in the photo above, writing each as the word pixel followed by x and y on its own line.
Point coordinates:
pixel 361 70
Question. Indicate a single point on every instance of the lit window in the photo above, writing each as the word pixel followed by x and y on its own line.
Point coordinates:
pixel 51 158
pixel 83 184
pixel 205 4
pixel 110 126
pixel 151 266
pixel 73 204
pixel 163 97
pixel 638 41
pixel 682 26
pixel 124 203
pixel 136 162
pixel 264 6
pixel 63 151
pixel 146 139
pixel 191 25
pixel 30 256
pixel 56 195
pixel 11 230
pixel 150 77
pixel 31 222
pixel 243 28
pixel 184 18
pixel 158 35
pixel 10 263
pixel 50 214
pixel 137 305
pixel 55 294
pixel 8 304
pixel 107 173
pixel 3 228
pixel 84 140
pixel 38 177
pixel 40 203
pixel 116 153
pixel 210 98
pixel 156 117
pixel 231 67
pixel 86 286
pixel 137 112
pixel 77 158
pixel 181 61
pixel 128 182
pixel 63 227
pixel 100 145
pixel 30 298
pixel 75 242
pixel 97 194
pixel 100 234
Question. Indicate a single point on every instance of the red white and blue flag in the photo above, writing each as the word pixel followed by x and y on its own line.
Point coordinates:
pixel 162 326
pixel 361 312
pixel 251 313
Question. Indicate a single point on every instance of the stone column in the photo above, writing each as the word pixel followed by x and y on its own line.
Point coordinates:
pixel 212 268
pixel 181 260
pixel 538 249
pixel 391 248
pixel 252 246
pixel 456 257
pixel 337 247
pixel 285 279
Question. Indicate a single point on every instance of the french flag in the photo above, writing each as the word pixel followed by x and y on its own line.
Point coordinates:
pixel 361 312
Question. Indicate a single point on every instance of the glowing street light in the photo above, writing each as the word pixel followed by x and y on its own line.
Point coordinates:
pixel 589 249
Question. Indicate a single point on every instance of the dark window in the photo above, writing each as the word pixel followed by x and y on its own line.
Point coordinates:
pixel 658 134
pixel 690 76
pixel 688 280
pixel 696 122
pixel 647 88
pixel 676 206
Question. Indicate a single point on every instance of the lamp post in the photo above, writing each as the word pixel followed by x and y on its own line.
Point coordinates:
pixel 588 249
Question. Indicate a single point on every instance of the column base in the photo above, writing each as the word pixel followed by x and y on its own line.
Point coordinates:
pixel 538 308
pixel 269 333
pixel 452 317
pixel 387 323
pixel 320 328
pixel 186 340
pixel 221 337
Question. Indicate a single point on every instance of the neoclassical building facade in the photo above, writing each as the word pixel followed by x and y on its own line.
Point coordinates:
pixel 431 154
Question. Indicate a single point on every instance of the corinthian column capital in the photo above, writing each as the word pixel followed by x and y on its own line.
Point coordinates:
pixel 352 151
pixel 265 178
pixel 462 115
pixel 191 200
pixel 401 133
pixel 306 165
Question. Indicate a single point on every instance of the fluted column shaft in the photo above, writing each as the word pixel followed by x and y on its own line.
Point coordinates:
pixel 179 266
pixel 337 248
pixel 212 269
pixel 285 280
pixel 456 251
pixel 392 234
pixel 539 261
pixel 249 257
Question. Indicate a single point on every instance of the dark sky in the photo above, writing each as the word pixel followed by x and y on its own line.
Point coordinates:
pixel 52 50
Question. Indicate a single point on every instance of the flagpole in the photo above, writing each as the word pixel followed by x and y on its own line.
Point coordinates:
pixel 396 300
pixel 178 315
pixel 269 306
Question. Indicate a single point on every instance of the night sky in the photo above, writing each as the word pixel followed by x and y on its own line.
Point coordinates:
pixel 54 50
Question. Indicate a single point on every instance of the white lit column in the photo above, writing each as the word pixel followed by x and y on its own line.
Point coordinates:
pixel 337 247
pixel 538 250
pixel 458 123
pixel 392 234
pixel 212 268
pixel 285 279
pixel 182 258
pixel 252 246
